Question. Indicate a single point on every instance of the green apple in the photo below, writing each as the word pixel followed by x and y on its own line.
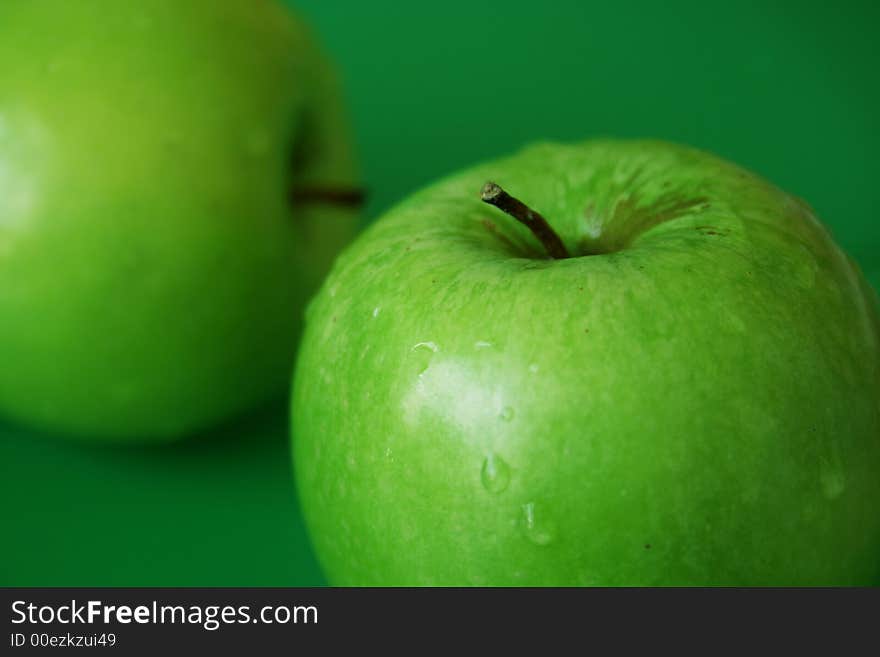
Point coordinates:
pixel 688 395
pixel 172 186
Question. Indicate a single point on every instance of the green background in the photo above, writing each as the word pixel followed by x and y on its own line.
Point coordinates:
pixel 788 89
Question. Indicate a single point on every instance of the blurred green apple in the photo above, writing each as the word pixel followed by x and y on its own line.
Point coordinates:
pixel 689 394
pixel 174 181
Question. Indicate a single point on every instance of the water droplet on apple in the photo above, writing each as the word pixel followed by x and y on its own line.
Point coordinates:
pixel 423 352
pixel 533 368
pixel 376 311
pixel 537 526
pixel 482 344
pixel 495 474
pixel 506 414
pixel 426 347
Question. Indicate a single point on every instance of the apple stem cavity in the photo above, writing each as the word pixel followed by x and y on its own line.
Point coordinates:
pixel 494 195
pixel 352 197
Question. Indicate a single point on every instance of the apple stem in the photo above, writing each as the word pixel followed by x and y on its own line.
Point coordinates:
pixel 353 197
pixel 494 195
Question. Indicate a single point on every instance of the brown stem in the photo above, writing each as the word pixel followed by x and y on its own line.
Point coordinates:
pixel 494 195
pixel 352 197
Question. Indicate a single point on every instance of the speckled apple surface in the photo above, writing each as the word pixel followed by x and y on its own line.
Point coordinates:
pixel 152 267
pixel 693 399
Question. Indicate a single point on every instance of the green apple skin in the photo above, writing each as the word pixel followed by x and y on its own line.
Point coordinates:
pixel 153 269
pixel 693 399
